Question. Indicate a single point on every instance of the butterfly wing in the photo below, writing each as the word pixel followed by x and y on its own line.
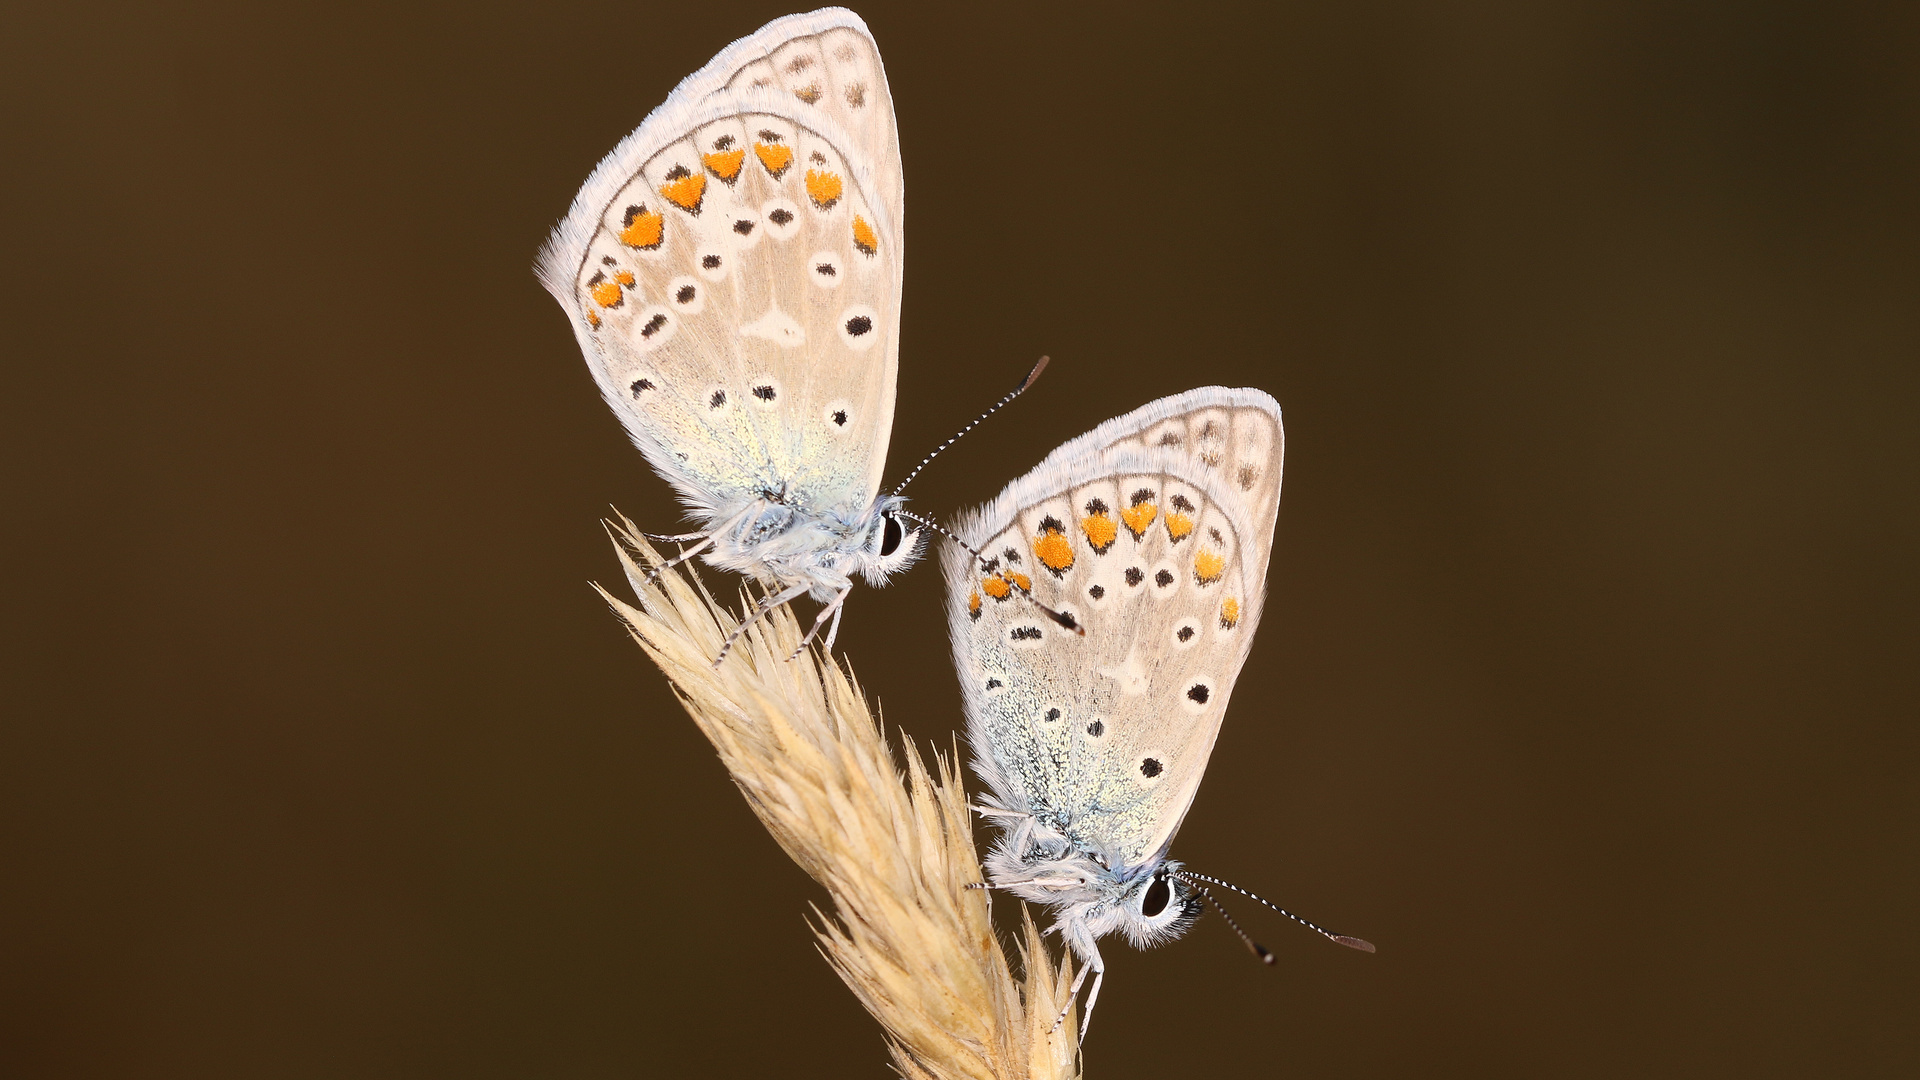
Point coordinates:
pixel 732 271
pixel 1154 532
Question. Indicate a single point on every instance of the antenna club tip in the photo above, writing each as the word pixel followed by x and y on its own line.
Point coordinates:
pixel 1355 943
pixel 1034 375
pixel 1265 956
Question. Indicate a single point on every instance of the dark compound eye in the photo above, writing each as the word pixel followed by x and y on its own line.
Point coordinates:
pixel 890 536
pixel 1157 896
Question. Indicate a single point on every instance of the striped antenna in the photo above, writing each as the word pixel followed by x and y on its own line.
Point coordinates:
pixel 1350 942
pixel 1255 947
pixel 1061 617
pixel 1032 377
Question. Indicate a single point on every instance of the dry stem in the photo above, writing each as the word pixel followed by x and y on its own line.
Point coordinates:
pixel 895 852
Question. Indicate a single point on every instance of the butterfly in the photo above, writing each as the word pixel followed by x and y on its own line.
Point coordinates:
pixel 1151 533
pixel 732 271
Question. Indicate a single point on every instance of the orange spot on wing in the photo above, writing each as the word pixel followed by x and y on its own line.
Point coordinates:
pixel 1229 613
pixel 624 277
pixel 643 230
pixel 1054 551
pixel 606 294
pixel 863 236
pixel 996 587
pixel 685 192
pixel 973 605
pixel 1100 531
pixel 1179 525
pixel 1138 517
pixel 725 164
pixel 823 187
pixel 1024 582
pixel 1208 565
pixel 775 158
pixel 593 320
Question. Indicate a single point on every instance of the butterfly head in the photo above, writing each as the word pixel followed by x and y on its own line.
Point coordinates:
pixel 893 542
pixel 1150 908
pixel 1158 908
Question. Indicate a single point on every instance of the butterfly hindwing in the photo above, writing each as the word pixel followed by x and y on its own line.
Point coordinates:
pixel 733 272
pixel 1153 532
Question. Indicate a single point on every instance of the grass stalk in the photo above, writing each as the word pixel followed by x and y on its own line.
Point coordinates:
pixel 893 847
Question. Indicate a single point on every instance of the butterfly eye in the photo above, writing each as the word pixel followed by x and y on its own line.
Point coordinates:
pixel 1155 900
pixel 890 536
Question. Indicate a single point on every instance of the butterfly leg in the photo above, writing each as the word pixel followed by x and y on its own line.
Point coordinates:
pixel 653 575
pixel 767 603
pixel 705 541
pixel 834 630
pixel 1093 995
pixel 832 610
pixel 1093 964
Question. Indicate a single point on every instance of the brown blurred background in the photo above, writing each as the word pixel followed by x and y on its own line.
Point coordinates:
pixel 1586 687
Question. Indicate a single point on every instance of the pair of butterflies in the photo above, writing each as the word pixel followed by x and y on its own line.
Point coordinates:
pixel 732 271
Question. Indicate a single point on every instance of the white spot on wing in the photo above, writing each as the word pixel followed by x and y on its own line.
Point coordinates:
pixel 1131 675
pixel 776 326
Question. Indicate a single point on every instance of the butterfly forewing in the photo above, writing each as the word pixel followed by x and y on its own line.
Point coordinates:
pixel 838 71
pixel 1144 533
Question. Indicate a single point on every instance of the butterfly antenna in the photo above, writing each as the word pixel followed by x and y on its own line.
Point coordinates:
pixel 1255 947
pixel 1032 377
pixel 1350 942
pixel 1061 617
